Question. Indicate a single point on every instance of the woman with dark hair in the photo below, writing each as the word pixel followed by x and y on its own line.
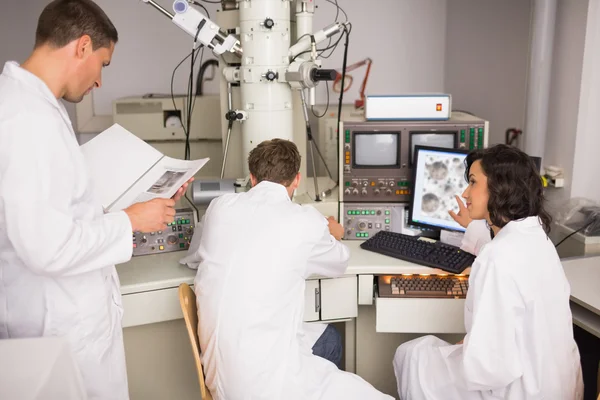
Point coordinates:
pixel 519 342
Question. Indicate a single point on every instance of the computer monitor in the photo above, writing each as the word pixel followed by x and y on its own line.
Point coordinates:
pixel 376 150
pixel 438 175
pixel 445 139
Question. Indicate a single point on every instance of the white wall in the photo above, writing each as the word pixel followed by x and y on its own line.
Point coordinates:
pixel 587 145
pixel 404 38
pixel 571 20
pixel 486 60
pixel 18 20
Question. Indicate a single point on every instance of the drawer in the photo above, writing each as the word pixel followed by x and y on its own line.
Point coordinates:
pixel 419 315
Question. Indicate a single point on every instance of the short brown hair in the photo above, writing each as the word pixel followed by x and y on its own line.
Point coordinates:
pixel 275 160
pixel 63 21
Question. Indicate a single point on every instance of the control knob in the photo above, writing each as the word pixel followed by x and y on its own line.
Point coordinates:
pixel 347 191
pixel 362 225
pixel 388 192
pixel 376 191
pixel 355 192
pixel 144 239
pixel 172 239
pixel 364 192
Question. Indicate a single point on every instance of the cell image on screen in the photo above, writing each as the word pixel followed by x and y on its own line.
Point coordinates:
pixel 437 139
pixel 376 150
pixel 439 176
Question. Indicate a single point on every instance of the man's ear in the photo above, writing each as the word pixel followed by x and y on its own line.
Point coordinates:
pixel 253 180
pixel 84 47
pixel 296 181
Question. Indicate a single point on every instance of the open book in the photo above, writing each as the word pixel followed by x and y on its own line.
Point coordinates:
pixel 126 170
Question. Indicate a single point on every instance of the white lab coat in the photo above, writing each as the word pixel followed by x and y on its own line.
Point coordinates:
pixel 256 250
pixel 519 343
pixel 57 247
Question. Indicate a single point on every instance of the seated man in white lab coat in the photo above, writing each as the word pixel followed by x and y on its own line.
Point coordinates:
pixel 255 251
pixel 57 246
pixel 519 342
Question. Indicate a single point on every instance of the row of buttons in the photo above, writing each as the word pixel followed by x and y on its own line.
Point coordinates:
pixel 367 212
pixel 179 222
pixel 403 191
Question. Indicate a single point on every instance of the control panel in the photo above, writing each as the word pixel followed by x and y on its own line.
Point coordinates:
pixel 376 157
pixel 361 221
pixel 177 236
pixel 376 189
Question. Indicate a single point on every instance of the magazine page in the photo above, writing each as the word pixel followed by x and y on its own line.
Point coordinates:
pixel 116 159
pixel 161 181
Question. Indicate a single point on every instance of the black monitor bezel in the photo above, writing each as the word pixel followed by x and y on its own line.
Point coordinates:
pixel 398 164
pixel 413 185
pixel 410 140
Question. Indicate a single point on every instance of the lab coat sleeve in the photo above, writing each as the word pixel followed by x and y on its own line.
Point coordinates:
pixel 193 257
pixel 329 257
pixel 39 225
pixel 476 236
pixel 491 359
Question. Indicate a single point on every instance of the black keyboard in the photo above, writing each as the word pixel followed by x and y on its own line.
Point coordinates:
pixel 420 251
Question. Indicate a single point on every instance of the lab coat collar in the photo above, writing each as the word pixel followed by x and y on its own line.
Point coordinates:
pixel 512 226
pixel 13 70
pixel 273 190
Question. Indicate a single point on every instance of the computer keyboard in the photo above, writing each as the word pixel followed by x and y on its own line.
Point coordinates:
pixel 436 286
pixel 420 251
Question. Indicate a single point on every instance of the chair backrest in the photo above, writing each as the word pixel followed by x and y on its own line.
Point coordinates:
pixel 187 300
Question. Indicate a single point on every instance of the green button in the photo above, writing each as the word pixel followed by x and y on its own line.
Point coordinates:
pixel 347 183
pixel 472 131
pixel 182 245
pixel 349 212
pixel 387 212
pixel 366 234
pixel 462 131
pixel 187 221
pixel 358 235
pixel 372 212
pixel 480 130
pixel 347 140
pixel 181 236
pixel 347 131
pixel 387 220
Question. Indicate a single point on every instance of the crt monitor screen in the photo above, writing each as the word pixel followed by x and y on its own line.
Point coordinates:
pixel 376 150
pixel 439 175
pixel 447 140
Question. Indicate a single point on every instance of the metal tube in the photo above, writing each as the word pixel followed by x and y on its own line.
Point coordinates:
pixel 159 8
pixel 229 126
pixel 310 145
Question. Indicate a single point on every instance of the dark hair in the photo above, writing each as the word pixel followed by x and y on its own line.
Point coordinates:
pixel 275 160
pixel 63 21
pixel 514 185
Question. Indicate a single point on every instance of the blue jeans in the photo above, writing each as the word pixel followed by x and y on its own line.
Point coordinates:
pixel 329 346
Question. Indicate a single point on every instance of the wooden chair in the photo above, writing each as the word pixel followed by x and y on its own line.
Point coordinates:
pixel 187 300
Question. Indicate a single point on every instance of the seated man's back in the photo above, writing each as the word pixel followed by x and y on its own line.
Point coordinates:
pixel 256 250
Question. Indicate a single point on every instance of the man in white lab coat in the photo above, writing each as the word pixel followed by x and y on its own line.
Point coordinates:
pixel 255 251
pixel 519 343
pixel 57 247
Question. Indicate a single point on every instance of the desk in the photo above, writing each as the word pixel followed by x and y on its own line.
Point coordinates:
pixel 152 319
pixel 583 273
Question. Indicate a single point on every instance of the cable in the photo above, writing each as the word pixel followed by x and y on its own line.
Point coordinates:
pixel 574 232
pixel 344 63
pixel 207 1
pixel 172 93
pixel 335 3
pixel 312 108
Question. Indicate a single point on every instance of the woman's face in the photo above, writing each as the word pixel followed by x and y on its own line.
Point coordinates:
pixel 476 194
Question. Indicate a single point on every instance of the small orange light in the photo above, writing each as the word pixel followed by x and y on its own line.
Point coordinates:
pixel 438 107
pixel 372 183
